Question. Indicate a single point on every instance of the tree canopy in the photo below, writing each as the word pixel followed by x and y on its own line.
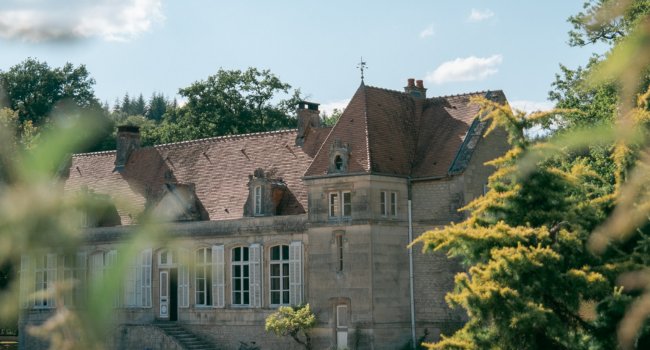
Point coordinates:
pixel 556 249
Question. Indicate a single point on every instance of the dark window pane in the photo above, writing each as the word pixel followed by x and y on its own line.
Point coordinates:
pixel 285 252
pixel 275 253
pixel 275 298
pixel 275 283
pixel 275 270
pixel 245 249
pixel 246 300
pixel 237 284
pixel 245 270
pixel 236 256
pixel 285 297
pixel 285 283
pixel 285 269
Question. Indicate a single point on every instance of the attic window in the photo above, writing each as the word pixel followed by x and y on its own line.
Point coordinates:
pixel 339 157
pixel 338 162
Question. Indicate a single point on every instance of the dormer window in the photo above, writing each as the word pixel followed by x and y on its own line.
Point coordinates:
pixel 266 193
pixel 339 157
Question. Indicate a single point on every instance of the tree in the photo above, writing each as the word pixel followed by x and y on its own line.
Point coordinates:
pixel 554 249
pixel 235 102
pixel 291 321
pixel 157 107
pixel 35 90
pixel 330 120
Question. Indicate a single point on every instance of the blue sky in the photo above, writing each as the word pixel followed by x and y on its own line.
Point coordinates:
pixel 142 46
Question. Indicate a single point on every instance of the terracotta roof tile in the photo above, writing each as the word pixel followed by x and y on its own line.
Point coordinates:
pixel 219 167
pixel 392 133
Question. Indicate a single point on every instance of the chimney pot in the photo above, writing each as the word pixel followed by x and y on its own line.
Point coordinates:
pixel 419 84
pixel 411 82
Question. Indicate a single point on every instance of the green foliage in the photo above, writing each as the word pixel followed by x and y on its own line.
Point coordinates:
pixel 556 250
pixel 330 120
pixel 606 21
pixel 291 321
pixel 36 91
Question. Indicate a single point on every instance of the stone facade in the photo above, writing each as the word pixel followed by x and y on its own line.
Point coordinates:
pixel 318 216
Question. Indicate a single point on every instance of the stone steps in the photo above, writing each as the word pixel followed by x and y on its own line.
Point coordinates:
pixel 187 339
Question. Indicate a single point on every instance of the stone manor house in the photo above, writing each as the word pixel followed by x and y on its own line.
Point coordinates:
pixel 318 215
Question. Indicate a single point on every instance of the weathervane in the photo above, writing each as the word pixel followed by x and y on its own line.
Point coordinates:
pixel 362 66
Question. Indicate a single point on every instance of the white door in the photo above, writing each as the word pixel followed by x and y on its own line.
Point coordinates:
pixel 164 294
pixel 341 326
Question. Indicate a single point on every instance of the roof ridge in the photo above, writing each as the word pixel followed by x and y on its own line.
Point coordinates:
pixel 480 92
pixel 91 154
pixel 197 141
pixel 224 137
pixel 365 116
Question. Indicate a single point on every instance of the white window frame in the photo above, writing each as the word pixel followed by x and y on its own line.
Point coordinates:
pixel 244 269
pixel 74 272
pixel 45 272
pixel 388 203
pixel 338 206
pixel 204 266
pixel 282 263
pixel 257 200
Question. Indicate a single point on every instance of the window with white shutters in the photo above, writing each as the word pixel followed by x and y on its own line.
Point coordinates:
pixel 295 273
pixel 74 273
pixel 26 280
pixel 45 270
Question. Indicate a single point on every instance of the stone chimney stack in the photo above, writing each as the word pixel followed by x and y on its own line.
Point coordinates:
pixel 308 117
pixel 415 89
pixel 128 140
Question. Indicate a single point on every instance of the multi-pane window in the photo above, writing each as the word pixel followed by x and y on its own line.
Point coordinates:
pixel 203 276
pixel 257 200
pixel 388 203
pixel 340 204
pixel 240 276
pixel 45 274
pixel 74 273
pixel 279 273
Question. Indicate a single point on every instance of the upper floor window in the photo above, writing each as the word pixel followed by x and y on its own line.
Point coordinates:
pixel 257 200
pixel 340 204
pixel 388 203
pixel 240 276
pixel 279 273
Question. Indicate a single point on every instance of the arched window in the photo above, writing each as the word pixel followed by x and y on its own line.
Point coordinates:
pixel 240 276
pixel 203 276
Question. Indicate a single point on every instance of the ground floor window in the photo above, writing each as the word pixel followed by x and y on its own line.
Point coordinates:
pixel 203 274
pixel 279 274
pixel 240 276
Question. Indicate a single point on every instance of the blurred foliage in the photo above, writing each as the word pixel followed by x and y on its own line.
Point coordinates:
pixel 331 119
pixel 292 321
pixel 558 251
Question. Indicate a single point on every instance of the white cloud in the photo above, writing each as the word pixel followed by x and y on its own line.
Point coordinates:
pixel 478 15
pixel 427 32
pixel 112 20
pixel 329 107
pixel 531 106
pixel 465 69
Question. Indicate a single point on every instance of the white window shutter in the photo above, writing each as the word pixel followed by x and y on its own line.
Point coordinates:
pixel 218 277
pixel 80 288
pixel 51 278
pixel 145 272
pixel 26 281
pixel 295 273
pixel 109 263
pixel 183 278
pixel 256 275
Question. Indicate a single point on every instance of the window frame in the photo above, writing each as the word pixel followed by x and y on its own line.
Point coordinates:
pixel 339 204
pixel 206 267
pixel 257 201
pixel 283 262
pixel 244 267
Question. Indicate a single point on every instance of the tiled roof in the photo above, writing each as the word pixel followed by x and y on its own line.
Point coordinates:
pixel 392 133
pixel 219 167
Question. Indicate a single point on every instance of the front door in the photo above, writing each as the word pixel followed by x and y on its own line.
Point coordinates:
pixel 341 326
pixel 169 294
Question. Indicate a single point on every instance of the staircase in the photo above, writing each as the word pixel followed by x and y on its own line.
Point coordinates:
pixel 187 339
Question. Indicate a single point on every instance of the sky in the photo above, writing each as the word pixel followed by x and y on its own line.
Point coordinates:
pixel 146 46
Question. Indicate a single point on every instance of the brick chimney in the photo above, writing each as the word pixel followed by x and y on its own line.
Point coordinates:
pixel 308 117
pixel 415 88
pixel 128 140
